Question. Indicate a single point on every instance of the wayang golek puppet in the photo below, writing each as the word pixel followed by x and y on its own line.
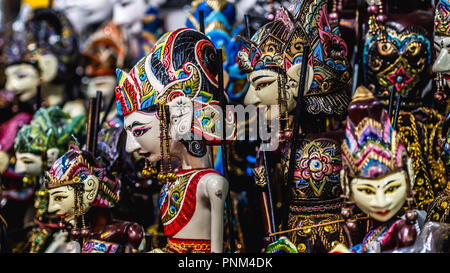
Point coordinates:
pixel 440 208
pixel 37 146
pixel 104 51
pixel 397 60
pixel 41 60
pixel 82 194
pixel 273 60
pixel 377 176
pixel 171 111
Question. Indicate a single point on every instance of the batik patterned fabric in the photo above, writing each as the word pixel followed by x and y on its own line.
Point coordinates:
pixel 420 131
pixel 442 18
pixel 49 128
pixel 317 239
pixel 177 200
pixel 187 245
pixel 219 20
pixel 182 63
pixel 278 45
pixel 74 167
pixel 315 195
pixel 104 51
pixel 316 172
pixel 397 59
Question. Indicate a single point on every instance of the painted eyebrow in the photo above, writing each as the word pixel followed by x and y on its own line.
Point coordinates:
pixel 259 77
pixel 367 185
pixel 136 123
pixel 56 192
pixel 390 182
pixel 439 43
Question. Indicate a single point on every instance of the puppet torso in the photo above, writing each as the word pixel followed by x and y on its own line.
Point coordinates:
pixel 183 211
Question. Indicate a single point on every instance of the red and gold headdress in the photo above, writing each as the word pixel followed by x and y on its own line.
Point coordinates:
pixel 73 167
pixel 182 63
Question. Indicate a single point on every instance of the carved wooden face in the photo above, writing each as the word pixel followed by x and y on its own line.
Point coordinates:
pixel 28 164
pixel 380 198
pixel 105 84
pixel 62 199
pixel 126 12
pixel 143 134
pixel 23 80
pixel 263 89
pixel 83 13
pixel 442 62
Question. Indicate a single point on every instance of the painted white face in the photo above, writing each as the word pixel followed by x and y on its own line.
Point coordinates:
pixel 22 79
pixel 128 12
pixel 380 198
pixel 4 161
pixel 263 89
pixel 442 62
pixel 52 155
pixel 28 164
pixel 143 135
pixel 105 84
pixel 62 199
pixel 82 13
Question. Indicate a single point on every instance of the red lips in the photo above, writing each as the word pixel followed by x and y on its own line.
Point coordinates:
pixel 383 213
pixel 145 154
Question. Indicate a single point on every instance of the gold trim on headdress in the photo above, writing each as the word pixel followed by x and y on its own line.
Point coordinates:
pixel 64 181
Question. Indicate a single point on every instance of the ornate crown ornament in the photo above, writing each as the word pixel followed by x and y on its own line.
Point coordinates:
pixel 73 167
pixel 371 147
pixel 441 18
pixel 278 45
pixel 182 63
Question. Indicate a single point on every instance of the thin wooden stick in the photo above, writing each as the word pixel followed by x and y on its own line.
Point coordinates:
pixel 314 226
pixel 297 120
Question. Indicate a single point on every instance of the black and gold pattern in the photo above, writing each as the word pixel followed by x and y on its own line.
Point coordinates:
pixel 419 131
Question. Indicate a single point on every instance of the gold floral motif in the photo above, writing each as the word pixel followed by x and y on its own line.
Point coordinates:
pixel 428 166
pixel 323 236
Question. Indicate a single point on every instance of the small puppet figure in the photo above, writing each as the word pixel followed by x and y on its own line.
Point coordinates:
pixel 82 194
pixel 377 176
pixel 170 104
